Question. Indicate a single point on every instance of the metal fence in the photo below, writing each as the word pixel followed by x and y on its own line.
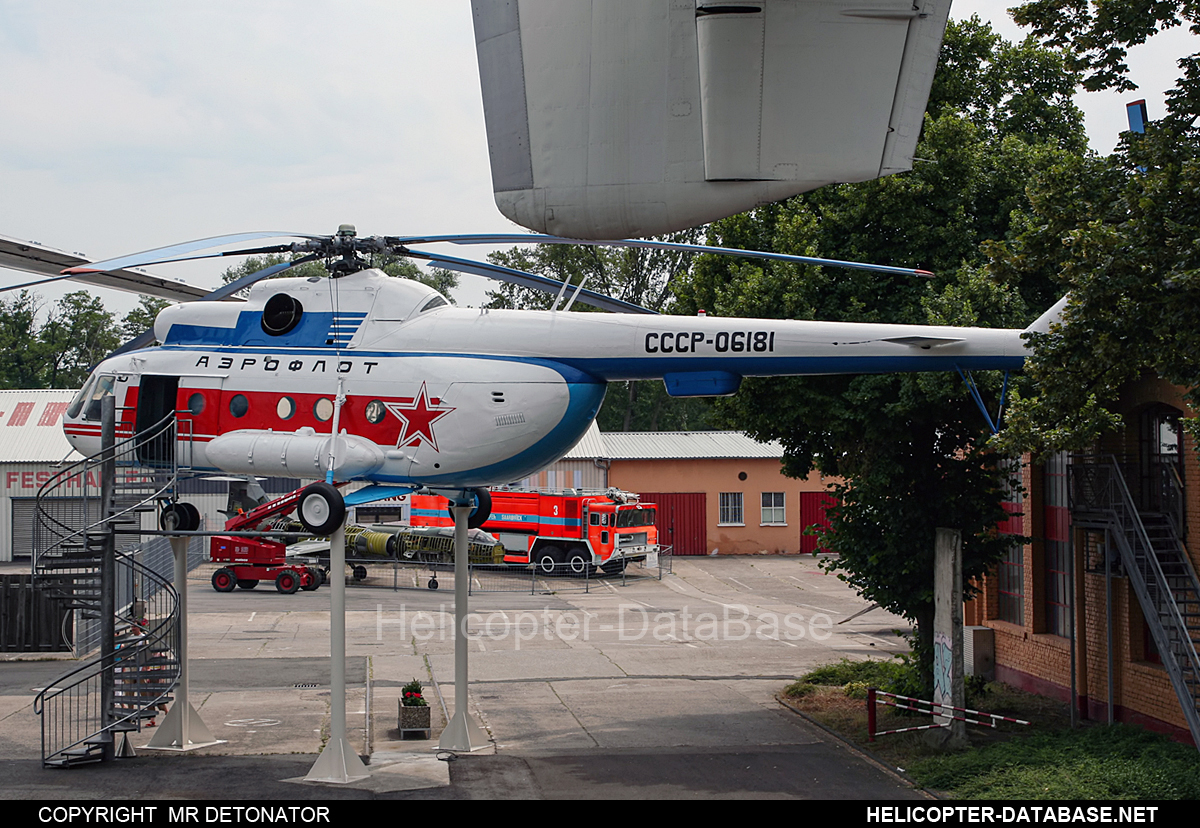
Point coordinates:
pixel 399 575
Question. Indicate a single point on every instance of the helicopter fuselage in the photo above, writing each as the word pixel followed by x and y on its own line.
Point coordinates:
pixel 445 397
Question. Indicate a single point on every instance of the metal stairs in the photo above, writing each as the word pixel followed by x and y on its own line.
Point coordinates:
pixel 1154 559
pixel 125 613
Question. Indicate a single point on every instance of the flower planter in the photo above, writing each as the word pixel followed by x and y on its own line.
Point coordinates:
pixel 415 720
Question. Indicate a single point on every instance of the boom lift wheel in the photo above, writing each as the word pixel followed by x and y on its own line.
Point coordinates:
pixel 223 580
pixel 311 579
pixel 287 582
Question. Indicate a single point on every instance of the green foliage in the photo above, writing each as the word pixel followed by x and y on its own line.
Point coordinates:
pixel 78 333
pixel 1119 233
pixel 141 318
pixel 412 695
pixel 895 676
pixel 20 347
pixel 1117 762
pixel 912 449
pixel 643 277
pixel 1095 36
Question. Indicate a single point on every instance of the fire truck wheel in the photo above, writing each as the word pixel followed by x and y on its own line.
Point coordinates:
pixel 480 512
pixel 223 580
pixel 321 509
pixel 549 560
pixel 616 567
pixel 580 562
pixel 183 517
pixel 247 583
pixel 287 582
pixel 310 579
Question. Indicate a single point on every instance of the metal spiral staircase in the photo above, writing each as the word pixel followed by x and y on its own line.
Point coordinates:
pixel 1152 555
pixel 133 644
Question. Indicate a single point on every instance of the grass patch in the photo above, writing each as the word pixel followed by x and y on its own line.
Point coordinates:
pixel 1048 760
pixel 1095 762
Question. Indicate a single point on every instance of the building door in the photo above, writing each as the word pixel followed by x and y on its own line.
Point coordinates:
pixel 812 513
pixel 1160 462
pixel 682 520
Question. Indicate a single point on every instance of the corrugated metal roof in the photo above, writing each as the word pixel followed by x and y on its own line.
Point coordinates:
pixel 685 445
pixel 31 426
pixel 590 445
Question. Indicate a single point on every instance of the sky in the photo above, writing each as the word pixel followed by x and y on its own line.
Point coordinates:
pixel 132 124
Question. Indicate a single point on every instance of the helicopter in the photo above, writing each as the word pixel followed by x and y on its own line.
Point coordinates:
pixel 365 377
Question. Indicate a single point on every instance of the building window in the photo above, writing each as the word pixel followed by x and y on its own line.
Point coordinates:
pixel 1012 586
pixel 772 509
pixel 731 509
pixel 1057 587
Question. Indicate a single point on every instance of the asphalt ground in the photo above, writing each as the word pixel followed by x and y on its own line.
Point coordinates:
pixel 651 689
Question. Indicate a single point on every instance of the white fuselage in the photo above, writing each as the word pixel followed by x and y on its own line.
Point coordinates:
pixel 449 397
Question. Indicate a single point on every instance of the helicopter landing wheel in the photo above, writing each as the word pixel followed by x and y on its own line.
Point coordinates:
pixel 179 517
pixel 433 583
pixel 480 512
pixel 321 509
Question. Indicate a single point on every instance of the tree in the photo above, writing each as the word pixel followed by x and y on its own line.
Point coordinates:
pixel 641 276
pixel 912 449
pixel 1119 233
pixel 21 349
pixel 78 334
pixel 141 318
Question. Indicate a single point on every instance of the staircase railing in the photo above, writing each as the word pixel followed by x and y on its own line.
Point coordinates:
pixel 76 724
pixel 1101 500
pixel 84 712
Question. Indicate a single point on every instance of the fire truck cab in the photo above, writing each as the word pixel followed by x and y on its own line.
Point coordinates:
pixel 560 530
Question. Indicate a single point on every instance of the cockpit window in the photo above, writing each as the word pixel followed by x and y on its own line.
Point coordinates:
pixel 435 302
pixel 102 389
pixel 77 404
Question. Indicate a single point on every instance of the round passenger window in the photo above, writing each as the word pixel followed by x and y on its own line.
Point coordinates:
pixel 323 409
pixel 375 412
pixel 286 408
pixel 196 404
pixel 239 405
pixel 281 313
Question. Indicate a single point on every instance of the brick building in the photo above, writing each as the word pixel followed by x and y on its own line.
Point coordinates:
pixel 1111 557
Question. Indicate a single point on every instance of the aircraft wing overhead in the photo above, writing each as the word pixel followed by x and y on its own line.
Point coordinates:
pixel 640 117
pixel 49 262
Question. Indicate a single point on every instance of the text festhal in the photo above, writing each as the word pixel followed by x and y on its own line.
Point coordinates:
pixel 690 342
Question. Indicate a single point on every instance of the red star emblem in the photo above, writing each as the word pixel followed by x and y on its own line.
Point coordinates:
pixel 418 417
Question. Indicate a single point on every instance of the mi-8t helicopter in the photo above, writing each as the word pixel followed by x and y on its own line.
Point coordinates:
pixel 425 395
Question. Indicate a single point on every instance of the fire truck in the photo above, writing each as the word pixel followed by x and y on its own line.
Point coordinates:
pixel 570 531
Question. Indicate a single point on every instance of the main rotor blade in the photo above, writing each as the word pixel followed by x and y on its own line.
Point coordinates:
pixel 529 238
pixel 179 252
pixel 529 280
pixel 47 264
